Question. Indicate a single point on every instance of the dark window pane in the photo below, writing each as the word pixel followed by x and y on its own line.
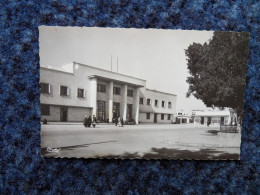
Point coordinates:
pixel 45 109
pixel 148 101
pixel 147 115
pixel 163 104
pixel 101 88
pixel 64 90
pixel 130 93
pixel 117 90
pixel 81 93
pixel 101 110
pixel 162 116
pixel 45 88
pixel 141 100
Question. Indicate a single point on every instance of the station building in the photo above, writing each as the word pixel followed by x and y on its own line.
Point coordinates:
pixel 76 90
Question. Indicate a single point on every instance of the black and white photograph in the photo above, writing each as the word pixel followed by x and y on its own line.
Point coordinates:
pixel 142 93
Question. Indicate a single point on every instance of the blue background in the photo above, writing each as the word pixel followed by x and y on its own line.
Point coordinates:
pixel 23 171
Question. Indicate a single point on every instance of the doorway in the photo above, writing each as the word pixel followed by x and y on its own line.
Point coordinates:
pixel 202 120
pixel 222 120
pixel 209 120
pixel 63 114
pixel 129 111
pixel 101 110
pixel 155 118
pixel 116 109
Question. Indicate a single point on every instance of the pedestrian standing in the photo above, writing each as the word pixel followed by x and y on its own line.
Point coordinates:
pixel 107 120
pixel 119 122
pixel 89 121
pixel 116 121
pixel 94 122
pixel 122 121
pixel 85 122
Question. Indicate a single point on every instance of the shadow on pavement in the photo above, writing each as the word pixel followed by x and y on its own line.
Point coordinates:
pixel 45 152
pixel 164 153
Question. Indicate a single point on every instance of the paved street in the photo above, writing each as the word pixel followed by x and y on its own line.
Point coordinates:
pixel 149 141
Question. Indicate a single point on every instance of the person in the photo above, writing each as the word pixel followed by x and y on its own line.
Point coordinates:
pixel 85 122
pixel 208 123
pixel 122 121
pixel 45 121
pixel 89 121
pixel 116 121
pixel 119 122
pixel 107 120
pixel 94 122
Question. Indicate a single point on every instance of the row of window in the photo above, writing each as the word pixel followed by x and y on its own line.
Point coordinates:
pixel 116 90
pixel 156 103
pixel 148 116
pixel 64 90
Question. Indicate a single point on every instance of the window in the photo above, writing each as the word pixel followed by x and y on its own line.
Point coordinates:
pixel 64 90
pixel 163 104
pixel 101 110
pixel 45 88
pixel 147 115
pixel 141 100
pixel 169 117
pixel 101 88
pixel 45 109
pixel 81 93
pixel 130 93
pixel 148 101
pixel 162 116
pixel 117 90
pixel 156 102
pixel 169 105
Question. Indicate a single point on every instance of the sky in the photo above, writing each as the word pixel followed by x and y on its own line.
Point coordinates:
pixel 156 55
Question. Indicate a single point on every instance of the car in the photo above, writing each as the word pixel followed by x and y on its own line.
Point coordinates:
pixel 130 122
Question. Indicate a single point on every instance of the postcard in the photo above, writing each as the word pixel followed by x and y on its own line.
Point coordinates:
pixel 141 93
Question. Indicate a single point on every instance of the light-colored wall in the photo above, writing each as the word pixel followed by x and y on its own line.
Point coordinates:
pixel 214 119
pixel 57 78
pixel 54 114
pixel 142 118
pixel 75 114
pixel 156 95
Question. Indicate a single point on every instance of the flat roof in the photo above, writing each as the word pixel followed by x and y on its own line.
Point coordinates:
pixel 56 69
pixel 118 81
pixel 108 71
pixel 154 90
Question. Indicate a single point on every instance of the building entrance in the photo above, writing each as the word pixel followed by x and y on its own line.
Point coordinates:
pixel 63 114
pixel 202 120
pixel 155 118
pixel 101 110
pixel 129 111
pixel 116 109
pixel 222 120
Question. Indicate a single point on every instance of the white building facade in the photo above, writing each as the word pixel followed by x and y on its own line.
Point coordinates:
pixel 222 117
pixel 77 90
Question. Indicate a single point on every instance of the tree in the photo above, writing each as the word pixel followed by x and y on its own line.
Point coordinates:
pixel 218 70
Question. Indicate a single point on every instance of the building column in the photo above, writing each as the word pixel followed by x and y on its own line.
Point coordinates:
pixel 136 104
pixel 110 101
pixel 93 95
pixel 124 101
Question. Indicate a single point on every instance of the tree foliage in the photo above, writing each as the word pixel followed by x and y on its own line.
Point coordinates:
pixel 218 70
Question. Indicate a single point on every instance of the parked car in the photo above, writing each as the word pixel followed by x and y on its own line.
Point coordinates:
pixel 130 122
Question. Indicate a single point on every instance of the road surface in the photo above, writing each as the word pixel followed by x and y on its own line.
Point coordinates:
pixel 153 141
